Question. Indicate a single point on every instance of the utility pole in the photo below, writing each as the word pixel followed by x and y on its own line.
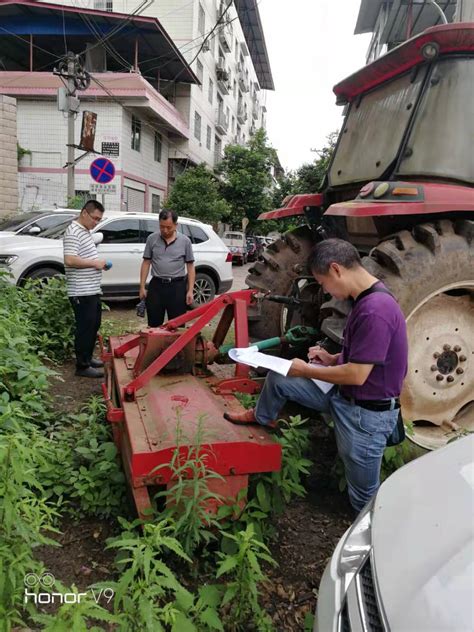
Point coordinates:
pixel 75 78
pixel 71 116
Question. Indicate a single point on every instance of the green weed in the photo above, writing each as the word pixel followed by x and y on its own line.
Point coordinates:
pixel 148 594
pixel 75 616
pixel 189 501
pixel 25 517
pixel 244 574
pixel 275 490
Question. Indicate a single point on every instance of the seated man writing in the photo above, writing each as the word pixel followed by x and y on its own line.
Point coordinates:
pixel 369 371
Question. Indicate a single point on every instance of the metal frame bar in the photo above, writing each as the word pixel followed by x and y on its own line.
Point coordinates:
pixel 237 301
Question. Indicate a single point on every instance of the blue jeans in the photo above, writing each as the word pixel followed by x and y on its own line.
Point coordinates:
pixel 361 434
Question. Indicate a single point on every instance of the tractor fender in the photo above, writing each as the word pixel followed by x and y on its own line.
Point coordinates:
pixel 406 198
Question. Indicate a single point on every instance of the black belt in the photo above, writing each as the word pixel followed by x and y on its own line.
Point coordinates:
pixel 372 404
pixel 168 279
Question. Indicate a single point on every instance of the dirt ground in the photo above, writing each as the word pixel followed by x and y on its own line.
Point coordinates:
pixel 307 532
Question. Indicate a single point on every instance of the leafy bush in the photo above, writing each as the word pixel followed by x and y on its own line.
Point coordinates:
pixel 147 590
pixel 84 472
pixel 25 517
pixel 50 316
pixel 22 375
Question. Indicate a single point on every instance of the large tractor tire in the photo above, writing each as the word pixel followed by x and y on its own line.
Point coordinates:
pixel 430 270
pixel 283 261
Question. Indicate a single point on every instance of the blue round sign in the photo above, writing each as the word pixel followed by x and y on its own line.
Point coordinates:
pixel 102 170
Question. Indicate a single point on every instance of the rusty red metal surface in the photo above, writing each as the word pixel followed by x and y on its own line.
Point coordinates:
pixel 155 411
pixel 437 198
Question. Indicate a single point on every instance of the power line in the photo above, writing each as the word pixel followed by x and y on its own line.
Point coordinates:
pixel 116 29
pixel 154 128
pixel 25 41
pixel 218 22
pixel 64 33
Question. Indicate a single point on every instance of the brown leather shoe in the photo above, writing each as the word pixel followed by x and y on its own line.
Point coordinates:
pixel 246 418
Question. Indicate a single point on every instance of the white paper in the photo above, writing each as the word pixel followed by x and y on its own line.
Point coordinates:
pixel 251 356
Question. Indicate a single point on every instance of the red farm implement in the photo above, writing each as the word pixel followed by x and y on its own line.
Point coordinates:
pixel 160 379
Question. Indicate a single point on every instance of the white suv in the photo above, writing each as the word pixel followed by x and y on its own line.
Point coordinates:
pixel 122 238
pixel 34 222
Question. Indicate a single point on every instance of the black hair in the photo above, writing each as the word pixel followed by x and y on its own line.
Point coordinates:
pixel 93 205
pixel 168 214
pixel 333 251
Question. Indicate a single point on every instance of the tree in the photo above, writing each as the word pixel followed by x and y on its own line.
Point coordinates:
pixel 309 177
pixel 196 194
pixel 247 178
pixel 306 179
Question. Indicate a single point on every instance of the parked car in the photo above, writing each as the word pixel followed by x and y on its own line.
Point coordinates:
pixel 407 562
pixel 237 245
pixel 35 222
pixel 254 248
pixel 121 238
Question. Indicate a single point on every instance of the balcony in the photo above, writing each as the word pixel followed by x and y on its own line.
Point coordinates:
pixel 241 114
pixel 225 38
pixel 243 84
pixel 222 71
pixel 218 156
pixel 222 122
pixel 222 75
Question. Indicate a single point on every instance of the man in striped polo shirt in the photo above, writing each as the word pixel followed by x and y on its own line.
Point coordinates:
pixel 83 277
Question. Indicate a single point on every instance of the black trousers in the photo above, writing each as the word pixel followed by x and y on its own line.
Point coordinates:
pixel 88 315
pixel 169 298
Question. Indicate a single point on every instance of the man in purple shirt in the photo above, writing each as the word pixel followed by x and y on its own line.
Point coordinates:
pixel 368 372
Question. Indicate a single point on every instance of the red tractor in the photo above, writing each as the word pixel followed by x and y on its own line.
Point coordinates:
pixel 399 187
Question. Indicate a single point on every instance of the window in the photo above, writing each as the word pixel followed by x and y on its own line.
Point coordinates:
pixel 149 226
pixel 155 203
pixel 197 125
pixel 158 145
pixel 52 220
pixel 121 231
pixel 201 20
pixel 198 236
pixel 234 89
pixel 104 5
pixel 200 72
pixel 136 133
pixel 210 92
pixel 195 234
pixel 208 137
pixel 233 124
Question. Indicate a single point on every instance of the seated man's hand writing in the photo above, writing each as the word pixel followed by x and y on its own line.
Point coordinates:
pixel 320 355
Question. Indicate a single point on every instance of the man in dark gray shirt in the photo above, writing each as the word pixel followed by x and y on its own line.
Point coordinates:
pixel 170 256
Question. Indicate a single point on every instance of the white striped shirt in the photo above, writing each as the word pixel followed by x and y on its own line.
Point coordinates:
pixel 78 242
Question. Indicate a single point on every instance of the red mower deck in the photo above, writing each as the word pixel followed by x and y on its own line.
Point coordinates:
pixel 153 415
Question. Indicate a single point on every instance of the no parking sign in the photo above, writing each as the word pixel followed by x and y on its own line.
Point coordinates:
pixel 102 170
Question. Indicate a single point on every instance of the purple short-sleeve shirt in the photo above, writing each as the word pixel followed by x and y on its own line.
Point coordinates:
pixel 376 334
